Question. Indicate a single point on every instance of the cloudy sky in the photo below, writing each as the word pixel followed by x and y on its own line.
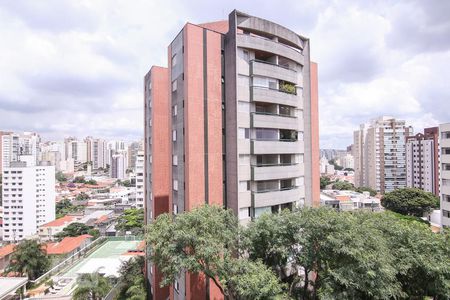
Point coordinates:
pixel 77 67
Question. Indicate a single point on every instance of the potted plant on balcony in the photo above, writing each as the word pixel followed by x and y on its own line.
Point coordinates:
pixel 288 87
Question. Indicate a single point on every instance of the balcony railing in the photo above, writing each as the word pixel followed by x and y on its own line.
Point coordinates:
pixel 276 190
pixel 274 165
pixel 272 114
pixel 272 89
pixel 273 64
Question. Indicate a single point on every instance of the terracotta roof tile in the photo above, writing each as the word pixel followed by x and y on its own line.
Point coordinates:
pixel 60 221
pixel 6 250
pixel 67 245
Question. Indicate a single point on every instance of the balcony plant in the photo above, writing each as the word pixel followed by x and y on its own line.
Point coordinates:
pixel 288 88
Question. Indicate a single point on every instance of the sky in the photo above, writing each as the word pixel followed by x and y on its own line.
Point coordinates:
pixel 76 68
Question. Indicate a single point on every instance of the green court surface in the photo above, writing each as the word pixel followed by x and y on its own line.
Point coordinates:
pixel 111 251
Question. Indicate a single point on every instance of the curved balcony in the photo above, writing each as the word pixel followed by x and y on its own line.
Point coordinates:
pixel 267 69
pixel 260 43
pixel 277 171
pixel 276 147
pixel 267 120
pixel 264 94
pixel 276 197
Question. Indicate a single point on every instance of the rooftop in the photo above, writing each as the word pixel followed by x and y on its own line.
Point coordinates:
pixel 6 250
pixel 67 245
pixel 60 222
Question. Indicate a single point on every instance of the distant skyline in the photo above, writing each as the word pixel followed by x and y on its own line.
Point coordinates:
pixel 77 67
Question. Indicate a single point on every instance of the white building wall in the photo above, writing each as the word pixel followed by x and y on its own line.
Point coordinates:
pixel 444 150
pixel 140 200
pixel 28 200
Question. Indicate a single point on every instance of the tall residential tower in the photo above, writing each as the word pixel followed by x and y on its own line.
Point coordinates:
pixel 379 153
pixel 232 121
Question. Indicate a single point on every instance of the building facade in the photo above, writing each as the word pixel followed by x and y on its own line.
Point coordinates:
pixel 422 160
pixel 379 152
pixel 139 171
pixel 97 152
pixel 119 165
pixel 16 145
pixel 444 150
pixel 238 104
pixel 28 199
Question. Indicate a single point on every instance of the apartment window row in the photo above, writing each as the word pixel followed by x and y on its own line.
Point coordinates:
pixel 446 213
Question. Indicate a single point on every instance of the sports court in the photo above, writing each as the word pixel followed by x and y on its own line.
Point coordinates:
pixel 106 260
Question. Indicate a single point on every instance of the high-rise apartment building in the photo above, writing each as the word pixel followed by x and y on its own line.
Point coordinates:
pixel 444 150
pixel 139 171
pixel 233 121
pixel 119 165
pixel 379 153
pixel 28 199
pixel 97 152
pixel 76 150
pixel 422 160
pixel 16 145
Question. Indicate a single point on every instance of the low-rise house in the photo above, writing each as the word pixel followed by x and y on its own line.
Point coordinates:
pixel 48 231
pixel 5 256
pixel 68 245
pixel 349 200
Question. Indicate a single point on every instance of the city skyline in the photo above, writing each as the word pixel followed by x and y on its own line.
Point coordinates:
pixel 399 55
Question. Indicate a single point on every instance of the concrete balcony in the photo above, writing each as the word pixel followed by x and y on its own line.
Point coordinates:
pixel 269 198
pixel 266 69
pixel 264 120
pixel 276 147
pixel 262 94
pixel 270 46
pixel 277 172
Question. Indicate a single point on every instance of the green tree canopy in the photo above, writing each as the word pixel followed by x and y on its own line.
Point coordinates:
pixel 410 201
pixel 29 259
pixel 206 240
pixel 132 279
pixel 60 176
pixel 343 185
pixel 345 255
pixel 73 229
pixel 367 189
pixel 91 287
pixel 324 181
pixel 131 220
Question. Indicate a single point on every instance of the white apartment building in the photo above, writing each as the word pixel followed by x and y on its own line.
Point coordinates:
pixel 76 150
pixel 28 199
pixel 346 161
pixel 140 200
pixel 422 161
pixel 444 150
pixel 15 145
pixel 119 165
pixel 97 152
pixel 379 152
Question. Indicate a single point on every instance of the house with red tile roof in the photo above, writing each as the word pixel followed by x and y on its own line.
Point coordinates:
pixel 68 245
pixel 47 231
pixel 5 256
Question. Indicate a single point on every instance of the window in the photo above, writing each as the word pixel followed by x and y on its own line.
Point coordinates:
pixel 244 133
pixel 175 209
pixel 175 185
pixel 266 134
pixel 175 160
pixel 244 186
pixel 174 110
pixel 244 213
pixel 174 135
pixel 174 86
pixel 174 60
pixel 446 213
pixel 176 286
pixel 246 55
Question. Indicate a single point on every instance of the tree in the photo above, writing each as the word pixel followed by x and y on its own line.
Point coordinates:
pixel 336 166
pixel 60 177
pixel 29 259
pixel 91 182
pixel 343 185
pixel 82 196
pixel 91 287
pixel 65 207
pixel 132 279
pixel 410 201
pixel 73 229
pixel 125 183
pixel 131 220
pixel 206 241
pixel 362 189
pixel 324 181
